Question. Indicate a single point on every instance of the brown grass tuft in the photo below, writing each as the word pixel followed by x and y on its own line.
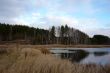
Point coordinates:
pixel 30 52
pixel 44 50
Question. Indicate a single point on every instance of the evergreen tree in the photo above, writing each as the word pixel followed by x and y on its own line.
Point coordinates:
pixel 52 35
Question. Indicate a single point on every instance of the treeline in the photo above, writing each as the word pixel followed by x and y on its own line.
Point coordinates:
pixel 67 35
pixel 21 32
pixel 55 35
pixel 100 40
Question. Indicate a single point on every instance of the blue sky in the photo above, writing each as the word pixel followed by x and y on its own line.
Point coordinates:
pixel 90 16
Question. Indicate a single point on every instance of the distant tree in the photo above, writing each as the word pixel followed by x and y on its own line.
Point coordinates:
pixel 66 34
pixel 62 34
pixel 100 39
pixel 66 30
pixel 52 34
pixel 62 31
pixel 58 35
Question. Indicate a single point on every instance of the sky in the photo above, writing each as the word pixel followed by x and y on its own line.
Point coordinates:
pixel 89 16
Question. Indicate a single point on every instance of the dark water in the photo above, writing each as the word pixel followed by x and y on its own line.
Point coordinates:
pixel 84 55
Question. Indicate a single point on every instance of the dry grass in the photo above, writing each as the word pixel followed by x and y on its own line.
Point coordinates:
pixel 54 46
pixel 26 52
pixel 41 64
pixel 44 51
pixel 39 60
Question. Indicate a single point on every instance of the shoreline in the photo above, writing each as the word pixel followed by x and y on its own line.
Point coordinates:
pixel 53 46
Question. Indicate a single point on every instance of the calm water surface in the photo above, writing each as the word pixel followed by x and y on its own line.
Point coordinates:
pixel 84 55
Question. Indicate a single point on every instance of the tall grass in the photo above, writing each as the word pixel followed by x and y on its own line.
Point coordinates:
pixel 39 60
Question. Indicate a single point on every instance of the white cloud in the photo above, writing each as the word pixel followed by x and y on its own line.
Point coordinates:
pixel 11 10
pixel 36 14
pixel 63 19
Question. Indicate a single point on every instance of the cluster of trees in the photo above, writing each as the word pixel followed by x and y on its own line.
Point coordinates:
pixel 67 35
pixel 55 35
pixel 100 39
pixel 21 32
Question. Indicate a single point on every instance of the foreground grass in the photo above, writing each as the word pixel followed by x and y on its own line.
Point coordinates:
pixel 39 60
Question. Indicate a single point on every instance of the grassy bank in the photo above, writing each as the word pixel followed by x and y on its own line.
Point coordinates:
pixel 39 60
pixel 53 46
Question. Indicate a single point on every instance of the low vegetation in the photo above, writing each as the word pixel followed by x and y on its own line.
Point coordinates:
pixel 39 60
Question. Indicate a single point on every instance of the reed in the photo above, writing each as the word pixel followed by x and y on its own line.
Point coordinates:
pixel 36 60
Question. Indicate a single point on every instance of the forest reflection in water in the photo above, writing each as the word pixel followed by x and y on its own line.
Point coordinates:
pixel 86 55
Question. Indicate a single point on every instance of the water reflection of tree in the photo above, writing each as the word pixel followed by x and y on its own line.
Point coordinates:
pixel 100 53
pixel 76 56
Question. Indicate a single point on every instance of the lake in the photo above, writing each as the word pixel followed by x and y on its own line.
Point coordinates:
pixel 84 55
